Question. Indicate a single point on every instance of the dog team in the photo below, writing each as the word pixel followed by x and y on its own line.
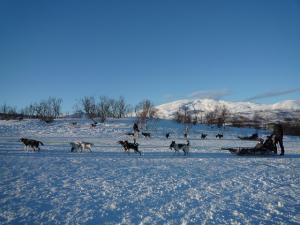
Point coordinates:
pixel 81 146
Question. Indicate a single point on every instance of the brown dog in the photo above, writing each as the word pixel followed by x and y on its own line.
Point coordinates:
pixel 34 144
pixel 127 146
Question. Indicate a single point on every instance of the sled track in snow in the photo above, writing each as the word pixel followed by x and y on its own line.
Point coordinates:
pixel 14 139
pixel 55 146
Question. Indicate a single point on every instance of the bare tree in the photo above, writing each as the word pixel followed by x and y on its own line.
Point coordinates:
pixel 47 110
pixel 211 117
pixel 145 111
pixel 8 112
pixel 29 111
pixel 218 116
pixel 6 109
pixel 55 105
pixel 104 108
pixel 223 114
pixel 78 109
pixel 183 115
pixel 89 107
pixel 187 117
pixel 195 118
pixel 121 107
pixel 113 108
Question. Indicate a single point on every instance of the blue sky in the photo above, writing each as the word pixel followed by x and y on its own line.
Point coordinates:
pixel 160 50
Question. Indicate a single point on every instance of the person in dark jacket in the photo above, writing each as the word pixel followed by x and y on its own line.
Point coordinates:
pixel 267 145
pixel 278 134
pixel 136 127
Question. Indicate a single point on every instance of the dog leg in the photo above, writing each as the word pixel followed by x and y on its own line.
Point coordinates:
pixel 137 151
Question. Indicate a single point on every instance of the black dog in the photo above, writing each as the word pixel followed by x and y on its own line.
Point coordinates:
pixel 146 135
pixel 34 144
pixel 184 147
pixel 167 135
pixel 127 146
pixel 93 125
pixel 219 136
pixel 203 136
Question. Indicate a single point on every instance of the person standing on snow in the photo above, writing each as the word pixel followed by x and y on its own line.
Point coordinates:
pixel 136 131
pixel 278 135
pixel 136 127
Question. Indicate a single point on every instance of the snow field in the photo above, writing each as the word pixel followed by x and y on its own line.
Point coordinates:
pixel 109 186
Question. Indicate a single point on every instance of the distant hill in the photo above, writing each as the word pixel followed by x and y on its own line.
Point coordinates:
pixel 272 112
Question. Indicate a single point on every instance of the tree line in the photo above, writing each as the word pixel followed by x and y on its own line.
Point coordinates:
pixel 218 116
pixel 102 108
pixel 46 110
pixel 96 109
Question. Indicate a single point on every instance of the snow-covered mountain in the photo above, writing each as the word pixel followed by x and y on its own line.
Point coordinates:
pixel 289 108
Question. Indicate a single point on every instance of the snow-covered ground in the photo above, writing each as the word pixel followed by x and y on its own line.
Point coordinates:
pixel 108 186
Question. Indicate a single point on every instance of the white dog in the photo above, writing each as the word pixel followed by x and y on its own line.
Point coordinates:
pixel 76 145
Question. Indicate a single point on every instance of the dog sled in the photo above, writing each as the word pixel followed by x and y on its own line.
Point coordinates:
pixel 249 151
pixel 267 147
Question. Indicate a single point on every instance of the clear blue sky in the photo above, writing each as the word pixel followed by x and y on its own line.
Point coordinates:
pixel 161 50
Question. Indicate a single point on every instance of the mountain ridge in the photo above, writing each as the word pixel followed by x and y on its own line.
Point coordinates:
pixel 248 109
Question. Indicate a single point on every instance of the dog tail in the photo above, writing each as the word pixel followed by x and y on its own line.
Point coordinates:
pixel 41 143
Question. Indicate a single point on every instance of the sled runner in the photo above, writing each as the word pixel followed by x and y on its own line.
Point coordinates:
pixel 249 151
